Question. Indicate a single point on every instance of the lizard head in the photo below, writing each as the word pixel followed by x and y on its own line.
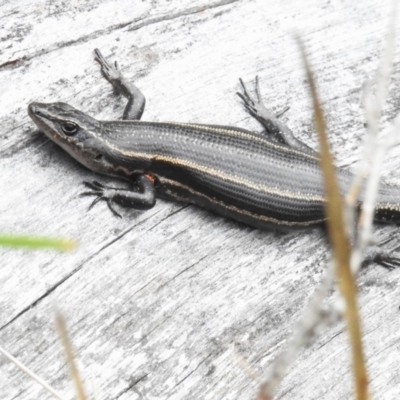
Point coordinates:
pixel 76 132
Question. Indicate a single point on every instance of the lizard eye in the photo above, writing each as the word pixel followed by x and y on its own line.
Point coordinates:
pixel 69 128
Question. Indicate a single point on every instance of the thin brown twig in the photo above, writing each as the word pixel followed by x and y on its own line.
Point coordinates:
pixel 75 376
pixel 339 241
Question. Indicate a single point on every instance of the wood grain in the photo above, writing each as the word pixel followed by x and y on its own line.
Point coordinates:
pixel 160 303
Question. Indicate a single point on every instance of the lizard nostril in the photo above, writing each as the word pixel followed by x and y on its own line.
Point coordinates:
pixel 32 108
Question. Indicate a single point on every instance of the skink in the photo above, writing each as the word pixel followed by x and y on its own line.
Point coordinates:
pixel 268 179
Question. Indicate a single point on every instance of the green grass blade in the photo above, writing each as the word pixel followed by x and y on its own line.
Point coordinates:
pixel 36 242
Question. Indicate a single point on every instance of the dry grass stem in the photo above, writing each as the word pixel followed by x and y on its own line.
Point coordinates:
pixel 27 371
pixel 315 317
pixel 340 243
pixel 370 164
pixel 311 320
pixel 75 376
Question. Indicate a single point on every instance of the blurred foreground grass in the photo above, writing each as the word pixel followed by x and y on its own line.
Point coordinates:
pixel 36 242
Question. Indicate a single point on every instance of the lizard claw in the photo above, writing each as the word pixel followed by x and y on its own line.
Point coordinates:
pixel 253 105
pixel 101 192
pixel 93 185
pixel 382 258
pixel 110 72
pixel 390 263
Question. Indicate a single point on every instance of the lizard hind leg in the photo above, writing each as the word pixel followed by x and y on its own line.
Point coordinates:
pixel 375 255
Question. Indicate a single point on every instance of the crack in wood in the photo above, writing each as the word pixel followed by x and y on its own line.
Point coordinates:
pixel 135 26
pixel 71 274
pixel 133 384
pixel 189 374
pixel 182 272
pixel 171 214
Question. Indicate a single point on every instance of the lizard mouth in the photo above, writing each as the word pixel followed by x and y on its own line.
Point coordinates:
pixel 40 118
pixel 41 115
pixel 34 111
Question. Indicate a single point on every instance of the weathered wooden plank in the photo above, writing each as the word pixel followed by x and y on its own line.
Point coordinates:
pixel 155 302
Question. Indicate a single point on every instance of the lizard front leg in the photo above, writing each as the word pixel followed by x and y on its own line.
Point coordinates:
pixel 141 196
pixel 136 101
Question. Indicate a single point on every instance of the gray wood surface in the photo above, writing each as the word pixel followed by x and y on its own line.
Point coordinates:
pixel 160 303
